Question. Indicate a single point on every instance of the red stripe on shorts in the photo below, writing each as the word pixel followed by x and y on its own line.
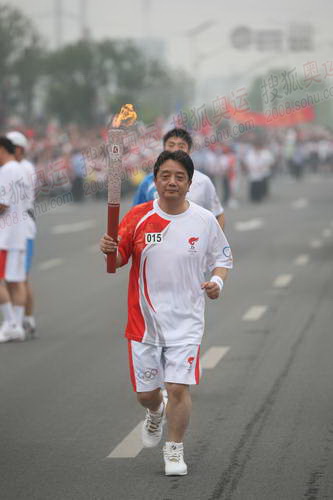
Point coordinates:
pixel 3 258
pixel 131 366
pixel 197 367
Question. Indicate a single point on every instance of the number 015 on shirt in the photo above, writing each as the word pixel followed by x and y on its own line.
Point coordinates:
pixel 153 238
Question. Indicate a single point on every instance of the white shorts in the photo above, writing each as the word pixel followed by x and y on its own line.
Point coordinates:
pixel 12 265
pixel 152 366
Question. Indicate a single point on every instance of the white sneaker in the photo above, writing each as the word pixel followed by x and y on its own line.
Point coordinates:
pixel 11 332
pixel 173 454
pixel 4 337
pixel 17 333
pixel 152 428
pixel 29 329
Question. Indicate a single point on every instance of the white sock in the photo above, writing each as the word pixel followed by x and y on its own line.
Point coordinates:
pixel 8 312
pixel 19 313
pixel 174 444
pixel 31 320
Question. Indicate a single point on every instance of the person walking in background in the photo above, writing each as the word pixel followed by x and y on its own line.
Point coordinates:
pixel 29 179
pixel 258 162
pixel 13 241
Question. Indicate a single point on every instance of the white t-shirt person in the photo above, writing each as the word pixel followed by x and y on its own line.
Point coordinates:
pixel 13 227
pixel 29 179
pixel 170 254
pixel 258 163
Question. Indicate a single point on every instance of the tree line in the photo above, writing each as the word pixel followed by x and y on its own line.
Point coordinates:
pixel 81 82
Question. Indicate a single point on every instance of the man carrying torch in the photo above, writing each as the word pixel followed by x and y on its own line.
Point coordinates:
pixel 172 242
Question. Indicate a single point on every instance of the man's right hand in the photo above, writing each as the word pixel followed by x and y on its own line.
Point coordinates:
pixel 108 244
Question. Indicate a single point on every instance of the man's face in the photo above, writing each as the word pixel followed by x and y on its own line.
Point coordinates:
pixel 172 181
pixel 176 144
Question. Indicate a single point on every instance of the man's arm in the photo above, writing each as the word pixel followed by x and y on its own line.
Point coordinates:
pixel 214 286
pixel 108 246
pixel 220 220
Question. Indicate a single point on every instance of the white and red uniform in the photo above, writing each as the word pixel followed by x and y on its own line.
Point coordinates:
pixel 13 227
pixel 170 254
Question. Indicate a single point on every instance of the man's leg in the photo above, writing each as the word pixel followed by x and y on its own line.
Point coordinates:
pixel 6 306
pixel 17 292
pixel 29 306
pixel 151 400
pixel 178 411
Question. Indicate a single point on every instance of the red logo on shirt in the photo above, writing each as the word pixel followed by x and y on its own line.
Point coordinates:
pixel 192 241
pixel 190 360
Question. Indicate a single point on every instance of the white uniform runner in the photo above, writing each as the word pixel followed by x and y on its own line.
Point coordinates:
pixel 13 227
pixel 203 192
pixel 170 254
pixel 29 179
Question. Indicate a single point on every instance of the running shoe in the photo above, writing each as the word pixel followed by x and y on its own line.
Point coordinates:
pixel 173 454
pixel 152 427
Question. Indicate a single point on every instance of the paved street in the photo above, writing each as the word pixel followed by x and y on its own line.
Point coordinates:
pixel 262 424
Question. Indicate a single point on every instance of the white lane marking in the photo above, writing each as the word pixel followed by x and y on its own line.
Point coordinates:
pixel 49 264
pixel 249 225
pixel 300 203
pixel 94 248
pixel 130 446
pixel 301 260
pixel 327 233
pixel 74 227
pixel 213 356
pixel 254 313
pixel 282 280
pixel 316 244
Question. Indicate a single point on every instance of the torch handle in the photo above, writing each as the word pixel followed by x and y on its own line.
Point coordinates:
pixel 113 221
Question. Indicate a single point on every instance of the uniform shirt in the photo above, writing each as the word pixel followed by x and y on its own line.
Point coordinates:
pixel 29 179
pixel 202 192
pixel 170 254
pixel 258 163
pixel 13 227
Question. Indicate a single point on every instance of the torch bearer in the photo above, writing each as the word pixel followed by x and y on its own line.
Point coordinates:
pixel 127 116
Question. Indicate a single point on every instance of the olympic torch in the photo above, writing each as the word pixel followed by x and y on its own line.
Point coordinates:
pixel 126 117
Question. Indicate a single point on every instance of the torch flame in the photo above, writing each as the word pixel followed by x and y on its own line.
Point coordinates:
pixel 127 116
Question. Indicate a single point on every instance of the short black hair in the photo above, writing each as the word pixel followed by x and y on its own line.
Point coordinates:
pixel 179 132
pixel 179 156
pixel 7 145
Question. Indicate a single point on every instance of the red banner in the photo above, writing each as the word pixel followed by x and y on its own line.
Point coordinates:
pixel 276 117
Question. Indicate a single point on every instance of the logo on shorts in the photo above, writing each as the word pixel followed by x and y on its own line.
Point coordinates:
pixel 190 362
pixel 192 241
pixel 146 373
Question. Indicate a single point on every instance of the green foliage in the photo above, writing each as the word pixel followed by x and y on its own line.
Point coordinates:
pixel 20 62
pixel 82 82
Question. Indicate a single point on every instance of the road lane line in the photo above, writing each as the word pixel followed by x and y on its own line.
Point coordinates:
pixel 327 233
pixel 130 446
pixel 316 244
pixel 249 225
pixel 74 227
pixel 254 313
pixel 50 264
pixel 301 260
pixel 213 356
pixel 300 203
pixel 282 280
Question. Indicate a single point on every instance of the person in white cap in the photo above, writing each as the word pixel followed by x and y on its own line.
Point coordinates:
pixel 13 237
pixel 29 178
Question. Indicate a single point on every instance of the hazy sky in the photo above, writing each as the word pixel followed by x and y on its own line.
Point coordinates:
pixel 172 19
